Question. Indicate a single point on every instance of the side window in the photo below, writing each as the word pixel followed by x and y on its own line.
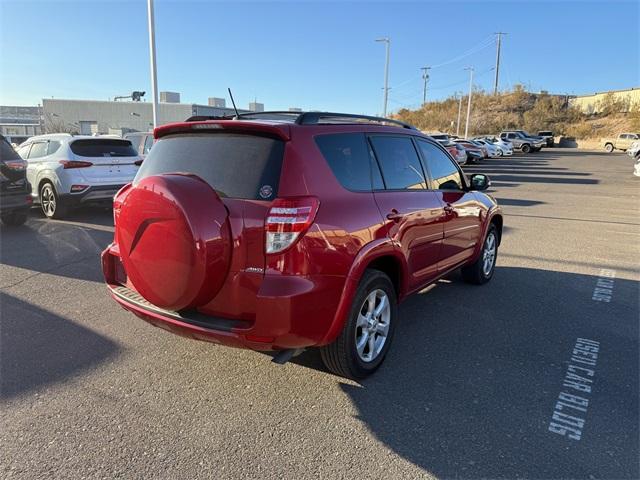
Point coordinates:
pixel 349 158
pixel 443 172
pixel 39 149
pixel 148 143
pixel 511 135
pixel 53 147
pixel 23 151
pixel 398 159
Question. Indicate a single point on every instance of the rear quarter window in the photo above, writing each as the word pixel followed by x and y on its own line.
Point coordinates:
pixel 349 157
pixel 102 147
pixel 235 165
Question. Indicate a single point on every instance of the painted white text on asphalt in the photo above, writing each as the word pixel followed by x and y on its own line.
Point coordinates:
pixel 604 286
pixel 569 414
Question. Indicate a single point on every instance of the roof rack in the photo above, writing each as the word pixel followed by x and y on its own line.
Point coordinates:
pixel 308 118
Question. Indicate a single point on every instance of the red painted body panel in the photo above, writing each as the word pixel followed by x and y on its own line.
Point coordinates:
pixel 302 296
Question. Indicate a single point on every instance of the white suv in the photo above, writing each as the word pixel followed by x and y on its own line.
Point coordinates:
pixel 66 170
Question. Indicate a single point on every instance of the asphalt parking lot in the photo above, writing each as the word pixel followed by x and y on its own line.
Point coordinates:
pixel 534 375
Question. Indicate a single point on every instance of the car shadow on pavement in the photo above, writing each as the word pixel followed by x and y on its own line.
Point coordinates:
pixel 39 348
pixel 65 248
pixel 470 384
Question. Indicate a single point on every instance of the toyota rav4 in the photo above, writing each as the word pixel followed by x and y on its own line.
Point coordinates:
pixel 283 231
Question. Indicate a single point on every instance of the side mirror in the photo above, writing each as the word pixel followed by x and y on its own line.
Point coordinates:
pixel 479 181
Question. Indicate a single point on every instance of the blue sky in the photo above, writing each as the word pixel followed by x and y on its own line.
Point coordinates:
pixel 312 55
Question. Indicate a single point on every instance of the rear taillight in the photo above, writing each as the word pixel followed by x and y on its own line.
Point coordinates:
pixel 74 164
pixel 17 165
pixel 287 220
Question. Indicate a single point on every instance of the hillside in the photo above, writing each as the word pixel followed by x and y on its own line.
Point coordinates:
pixel 520 109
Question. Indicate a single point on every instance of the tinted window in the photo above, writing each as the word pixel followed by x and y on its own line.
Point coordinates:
pixel 135 141
pixel 39 149
pixel 235 165
pixel 399 162
pixel 148 143
pixel 349 157
pixel 53 147
pixel 23 151
pixel 6 151
pixel 103 147
pixel 443 172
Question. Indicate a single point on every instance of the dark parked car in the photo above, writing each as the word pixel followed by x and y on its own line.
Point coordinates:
pixel 547 135
pixel 15 191
pixel 301 230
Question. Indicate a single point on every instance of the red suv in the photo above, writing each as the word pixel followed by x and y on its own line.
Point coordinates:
pixel 282 231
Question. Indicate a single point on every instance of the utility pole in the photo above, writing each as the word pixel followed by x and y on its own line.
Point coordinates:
pixel 152 59
pixel 459 113
pixel 386 74
pixel 425 77
pixel 499 42
pixel 466 127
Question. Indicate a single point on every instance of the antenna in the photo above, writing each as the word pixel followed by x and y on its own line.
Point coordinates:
pixel 233 103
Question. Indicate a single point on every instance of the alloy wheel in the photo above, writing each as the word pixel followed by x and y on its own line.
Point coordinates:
pixel 489 254
pixel 372 326
pixel 48 200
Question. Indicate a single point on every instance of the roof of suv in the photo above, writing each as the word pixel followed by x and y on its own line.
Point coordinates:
pixel 69 137
pixel 309 118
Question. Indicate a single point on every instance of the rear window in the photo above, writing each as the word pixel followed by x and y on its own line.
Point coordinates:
pixel 350 159
pixel 102 147
pixel 235 165
pixel 7 152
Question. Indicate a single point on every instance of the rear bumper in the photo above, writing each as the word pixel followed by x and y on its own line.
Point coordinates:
pixel 100 193
pixel 15 201
pixel 290 312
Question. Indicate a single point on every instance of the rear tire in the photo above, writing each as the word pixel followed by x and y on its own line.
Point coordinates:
pixel 609 148
pixel 526 148
pixel 14 219
pixel 50 202
pixel 481 271
pixel 366 337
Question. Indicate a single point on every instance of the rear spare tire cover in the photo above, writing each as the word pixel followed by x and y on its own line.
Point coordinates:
pixel 175 241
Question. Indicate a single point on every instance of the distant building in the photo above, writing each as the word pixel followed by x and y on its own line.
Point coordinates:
pixel 593 103
pixel 19 123
pixel 295 109
pixel 170 97
pixel 217 102
pixel 89 117
pixel 256 107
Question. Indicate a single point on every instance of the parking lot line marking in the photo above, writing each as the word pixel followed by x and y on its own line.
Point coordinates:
pixel 569 413
pixel 603 291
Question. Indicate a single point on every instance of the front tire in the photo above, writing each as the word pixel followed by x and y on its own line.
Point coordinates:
pixel 481 271
pixel 367 334
pixel 526 148
pixel 14 219
pixel 50 202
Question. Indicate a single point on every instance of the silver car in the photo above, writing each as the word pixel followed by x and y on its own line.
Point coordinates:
pixel 66 170
pixel 522 142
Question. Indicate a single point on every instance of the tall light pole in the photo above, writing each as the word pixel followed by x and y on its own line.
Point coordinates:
pixel 466 127
pixel 425 77
pixel 495 82
pixel 386 74
pixel 152 60
pixel 459 114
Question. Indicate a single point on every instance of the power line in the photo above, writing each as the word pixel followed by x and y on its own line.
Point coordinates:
pixel 480 46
